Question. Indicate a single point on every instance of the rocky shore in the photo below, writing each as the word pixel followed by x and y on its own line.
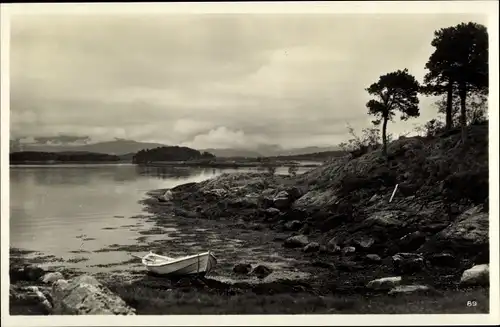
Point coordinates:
pixel 427 251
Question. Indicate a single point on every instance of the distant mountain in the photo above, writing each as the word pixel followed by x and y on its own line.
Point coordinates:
pixel 118 147
pixel 269 151
pixel 127 148
pixel 69 156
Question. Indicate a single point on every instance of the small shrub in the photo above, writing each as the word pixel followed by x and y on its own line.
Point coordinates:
pixel 358 146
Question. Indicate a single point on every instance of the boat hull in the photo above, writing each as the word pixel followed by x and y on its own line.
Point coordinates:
pixel 194 265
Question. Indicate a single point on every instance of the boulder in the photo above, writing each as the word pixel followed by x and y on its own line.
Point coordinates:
pixel 31 297
pixel 293 225
pixel 385 283
pixel 311 247
pixel 298 241
pixel 242 268
pixel 261 271
pixel 51 277
pixel 477 275
pixel 408 263
pixel 471 228
pixel 85 295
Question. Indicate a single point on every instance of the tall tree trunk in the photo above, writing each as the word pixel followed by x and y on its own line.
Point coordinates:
pixel 449 106
pixel 384 137
pixel 463 111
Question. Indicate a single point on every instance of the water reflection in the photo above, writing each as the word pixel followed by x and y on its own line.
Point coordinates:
pixel 168 172
pixel 50 206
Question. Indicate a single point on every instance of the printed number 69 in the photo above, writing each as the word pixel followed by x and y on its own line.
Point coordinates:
pixel 471 303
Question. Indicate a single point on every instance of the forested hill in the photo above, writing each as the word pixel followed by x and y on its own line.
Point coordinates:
pixel 170 153
pixel 49 157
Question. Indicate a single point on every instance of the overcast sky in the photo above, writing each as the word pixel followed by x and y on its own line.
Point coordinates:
pixel 212 81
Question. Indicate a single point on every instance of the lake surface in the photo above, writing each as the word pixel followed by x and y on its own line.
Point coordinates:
pixel 70 211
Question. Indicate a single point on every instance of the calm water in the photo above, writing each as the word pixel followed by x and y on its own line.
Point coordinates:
pixel 68 210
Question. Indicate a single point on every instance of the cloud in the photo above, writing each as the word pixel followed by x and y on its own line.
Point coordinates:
pixel 211 80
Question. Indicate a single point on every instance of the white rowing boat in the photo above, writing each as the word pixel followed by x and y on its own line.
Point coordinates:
pixel 198 264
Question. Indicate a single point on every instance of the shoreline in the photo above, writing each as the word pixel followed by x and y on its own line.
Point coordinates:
pixel 354 252
pixel 220 165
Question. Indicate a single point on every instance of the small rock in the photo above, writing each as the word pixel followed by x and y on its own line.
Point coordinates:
pixel 364 243
pixel 407 289
pixel 348 249
pixel 373 198
pixel 311 247
pixel 52 277
pixel 296 241
pixel 408 263
pixel 166 197
pixel 242 268
pixel 477 275
pixel 385 283
pixel 293 225
pixel 373 258
pixel 262 271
